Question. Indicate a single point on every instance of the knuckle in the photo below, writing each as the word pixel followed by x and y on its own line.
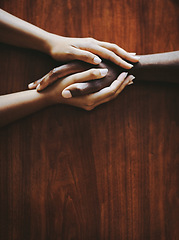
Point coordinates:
pixel 114 96
pixel 87 56
pixel 94 72
pixel 112 90
pixel 88 108
pixel 114 46
pixel 90 103
pixel 111 56
pixel 69 53
pixel 52 72
pixel 73 79
pixel 90 39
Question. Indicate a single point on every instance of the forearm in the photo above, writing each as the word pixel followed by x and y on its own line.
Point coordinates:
pixel 20 33
pixel 162 67
pixel 17 105
pixel 157 67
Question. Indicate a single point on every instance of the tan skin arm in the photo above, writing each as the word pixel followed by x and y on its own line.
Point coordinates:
pixel 160 67
pixel 163 67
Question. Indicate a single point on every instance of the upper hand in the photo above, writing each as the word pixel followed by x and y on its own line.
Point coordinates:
pixel 88 50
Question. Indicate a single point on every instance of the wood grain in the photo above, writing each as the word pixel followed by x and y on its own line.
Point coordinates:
pixel 106 174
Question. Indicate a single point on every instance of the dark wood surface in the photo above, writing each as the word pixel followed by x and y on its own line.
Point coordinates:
pixel 106 174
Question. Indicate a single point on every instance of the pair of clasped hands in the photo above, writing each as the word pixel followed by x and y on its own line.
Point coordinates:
pixel 96 72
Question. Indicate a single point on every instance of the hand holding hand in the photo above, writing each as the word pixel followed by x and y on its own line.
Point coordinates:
pixel 55 92
pixel 79 88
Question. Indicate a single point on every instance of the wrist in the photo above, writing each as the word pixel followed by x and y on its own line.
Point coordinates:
pixel 44 98
pixel 53 43
pixel 46 43
pixel 49 96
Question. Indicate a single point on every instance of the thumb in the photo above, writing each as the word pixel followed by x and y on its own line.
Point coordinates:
pixel 86 56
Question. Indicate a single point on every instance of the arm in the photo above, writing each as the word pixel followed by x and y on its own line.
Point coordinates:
pixel 23 34
pixel 163 67
pixel 17 105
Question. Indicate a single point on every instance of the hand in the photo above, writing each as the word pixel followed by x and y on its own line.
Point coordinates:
pixel 59 72
pixel 88 102
pixel 79 89
pixel 88 50
pixel 63 48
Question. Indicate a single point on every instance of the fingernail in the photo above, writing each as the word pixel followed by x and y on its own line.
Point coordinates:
pixel 38 87
pixel 130 83
pixel 130 65
pixel 132 77
pixel 124 74
pixel 133 53
pixel 96 60
pixel 137 58
pixel 103 72
pixel 31 85
pixel 66 94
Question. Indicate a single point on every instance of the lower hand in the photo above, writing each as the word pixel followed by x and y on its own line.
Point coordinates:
pixel 55 92
pixel 82 88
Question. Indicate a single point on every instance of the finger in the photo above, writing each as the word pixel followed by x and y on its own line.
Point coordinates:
pixel 110 55
pixel 129 79
pixel 33 85
pixel 108 91
pixel 105 94
pixel 80 89
pixel 119 90
pixel 120 51
pixel 82 77
pixel 56 73
pixel 89 102
pixel 85 56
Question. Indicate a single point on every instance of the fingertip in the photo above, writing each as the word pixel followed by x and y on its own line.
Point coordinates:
pixel 130 78
pixel 129 66
pixel 66 94
pixel 31 85
pixel 131 82
pixel 38 87
pixel 96 60
pixel 136 58
pixel 123 75
pixel 103 72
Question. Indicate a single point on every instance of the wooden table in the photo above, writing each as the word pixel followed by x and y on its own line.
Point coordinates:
pixel 106 174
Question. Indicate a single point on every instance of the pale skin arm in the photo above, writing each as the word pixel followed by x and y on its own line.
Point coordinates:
pixel 17 105
pixel 20 33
